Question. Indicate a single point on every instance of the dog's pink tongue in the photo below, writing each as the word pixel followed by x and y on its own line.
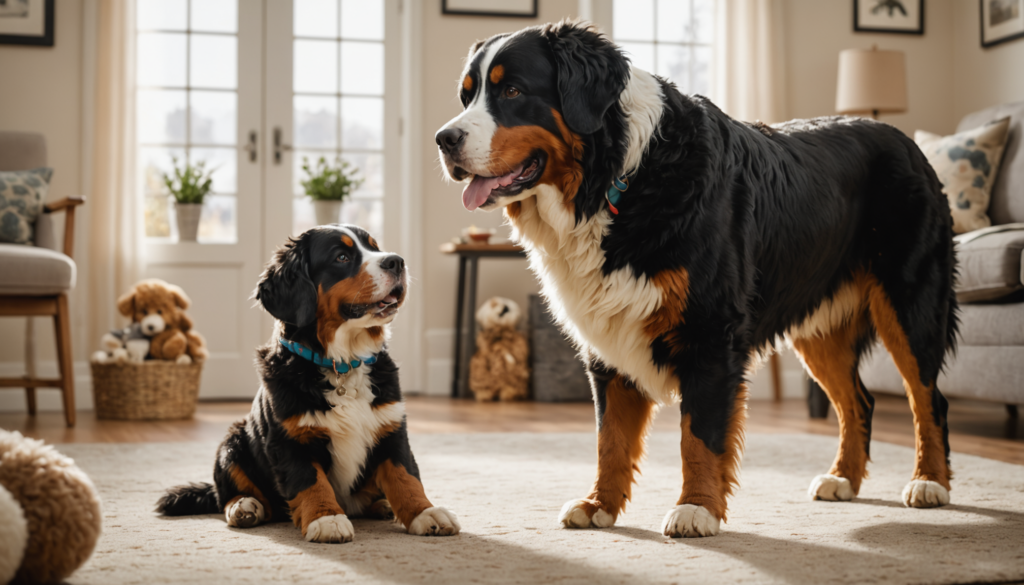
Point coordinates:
pixel 479 189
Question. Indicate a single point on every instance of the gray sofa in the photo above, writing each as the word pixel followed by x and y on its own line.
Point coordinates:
pixel 989 364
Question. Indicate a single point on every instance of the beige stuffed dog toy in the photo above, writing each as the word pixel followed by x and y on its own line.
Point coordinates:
pixel 500 369
pixel 159 309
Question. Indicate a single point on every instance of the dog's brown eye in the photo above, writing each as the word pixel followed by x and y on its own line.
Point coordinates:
pixel 511 92
pixel 343 258
pixel 159 312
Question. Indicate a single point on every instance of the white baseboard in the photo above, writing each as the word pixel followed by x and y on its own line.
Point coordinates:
pixel 47 399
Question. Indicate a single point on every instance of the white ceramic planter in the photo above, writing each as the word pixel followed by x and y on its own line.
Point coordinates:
pixel 187 215
pixel 327 211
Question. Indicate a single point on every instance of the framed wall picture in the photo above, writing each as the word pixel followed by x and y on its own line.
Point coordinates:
pixel 26 22
pixel 889 16
pixel 511 8
pixel 1001 21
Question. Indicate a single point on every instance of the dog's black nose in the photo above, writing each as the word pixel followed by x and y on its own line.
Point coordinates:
pixel 393 264
pixel 450 140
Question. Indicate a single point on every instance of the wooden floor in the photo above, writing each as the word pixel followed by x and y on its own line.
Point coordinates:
pixel 975 428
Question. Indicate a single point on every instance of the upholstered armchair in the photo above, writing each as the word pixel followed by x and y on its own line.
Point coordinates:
pixel 37 278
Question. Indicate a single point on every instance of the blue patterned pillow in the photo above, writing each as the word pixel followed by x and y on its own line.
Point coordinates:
pixel 21 202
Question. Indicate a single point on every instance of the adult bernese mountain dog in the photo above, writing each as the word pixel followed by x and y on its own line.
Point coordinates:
pixel 675 245
pixel 326 438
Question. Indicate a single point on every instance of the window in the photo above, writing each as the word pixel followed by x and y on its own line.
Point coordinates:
pixel 338 102
pixel 671 38
pixel 187 105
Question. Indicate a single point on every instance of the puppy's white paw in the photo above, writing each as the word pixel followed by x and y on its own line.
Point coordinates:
pixel 574 515
pixel 435 521
pixel 183 359
pixel 831 487
pixel 245 512
pixel 330 529
pixel 921 493
pixel 689 521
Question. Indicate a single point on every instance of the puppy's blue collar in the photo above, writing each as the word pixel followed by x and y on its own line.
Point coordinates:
pixel 614 193
pixel 324 361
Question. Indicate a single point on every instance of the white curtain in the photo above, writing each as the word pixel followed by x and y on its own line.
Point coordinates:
pixel 748 72
pixel 115 226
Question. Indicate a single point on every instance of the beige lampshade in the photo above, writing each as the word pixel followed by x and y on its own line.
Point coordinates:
pixel 871 81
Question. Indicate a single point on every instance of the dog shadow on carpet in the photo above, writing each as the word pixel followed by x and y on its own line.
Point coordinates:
pixel 893 551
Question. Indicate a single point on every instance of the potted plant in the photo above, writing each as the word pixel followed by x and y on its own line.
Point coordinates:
pixel 328 186
pixel 188 186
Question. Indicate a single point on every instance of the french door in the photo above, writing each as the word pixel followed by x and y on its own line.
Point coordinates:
pixel 252 88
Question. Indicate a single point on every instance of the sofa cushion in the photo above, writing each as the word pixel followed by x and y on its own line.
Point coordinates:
pixel 33 271
pixel 990 263
pixel 992 324
pixel 967 164
pixel 21 202
pixel 1007 204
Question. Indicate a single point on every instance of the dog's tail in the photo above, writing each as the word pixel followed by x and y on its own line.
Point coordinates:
pixel 189 500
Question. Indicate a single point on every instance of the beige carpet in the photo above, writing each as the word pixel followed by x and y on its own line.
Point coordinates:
pixel 507 490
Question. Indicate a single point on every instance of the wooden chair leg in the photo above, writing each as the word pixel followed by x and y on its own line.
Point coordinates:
pixel 30 362
pixel 62 329
pixel 776 378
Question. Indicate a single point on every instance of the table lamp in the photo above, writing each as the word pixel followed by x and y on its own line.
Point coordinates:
pixel 871 81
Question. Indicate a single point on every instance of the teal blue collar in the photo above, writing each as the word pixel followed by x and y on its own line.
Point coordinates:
pixel 615 192
pixel 324 361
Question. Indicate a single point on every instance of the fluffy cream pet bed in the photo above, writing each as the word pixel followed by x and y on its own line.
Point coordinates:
pixel 57 504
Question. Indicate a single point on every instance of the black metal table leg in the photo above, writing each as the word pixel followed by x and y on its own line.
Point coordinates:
pixel 470 341
pixel 460 310
pixel 817 400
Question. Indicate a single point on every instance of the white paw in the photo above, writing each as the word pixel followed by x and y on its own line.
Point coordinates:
pixel 574 516
pixel 921 493
pixel 120 355
pixel 100 357
pixel 435 521
pixel 245 512
pixel 330 529
pixel 831 487
pixel 688 521
pixel 183 359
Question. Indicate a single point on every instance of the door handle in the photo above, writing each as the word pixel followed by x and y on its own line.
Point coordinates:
pixel 279 145
pixel 250 146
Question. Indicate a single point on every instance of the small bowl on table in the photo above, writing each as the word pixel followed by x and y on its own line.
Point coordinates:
pixel 478 236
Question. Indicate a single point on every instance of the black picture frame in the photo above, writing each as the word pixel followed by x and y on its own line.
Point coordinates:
pixel 446 10
pixel 981 24
pixel 858 27
pixel 46 40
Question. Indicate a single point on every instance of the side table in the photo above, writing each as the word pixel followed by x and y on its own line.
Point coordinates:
pixel 465 312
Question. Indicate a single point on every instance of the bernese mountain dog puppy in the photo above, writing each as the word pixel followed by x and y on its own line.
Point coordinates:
pixel 326 438
pixel 676 245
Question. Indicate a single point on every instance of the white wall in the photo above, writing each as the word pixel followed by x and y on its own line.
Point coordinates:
pixel 43 93
pixel 983 77
pixel 446 42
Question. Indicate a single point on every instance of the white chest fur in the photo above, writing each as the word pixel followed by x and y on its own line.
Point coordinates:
pixel 604 314
pixel 353 425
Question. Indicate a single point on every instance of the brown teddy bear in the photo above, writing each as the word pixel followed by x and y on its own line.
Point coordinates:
pixel 159 309
pixel 500 367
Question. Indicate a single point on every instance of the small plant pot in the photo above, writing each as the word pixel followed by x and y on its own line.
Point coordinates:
pixel 187 216
pixel 327 210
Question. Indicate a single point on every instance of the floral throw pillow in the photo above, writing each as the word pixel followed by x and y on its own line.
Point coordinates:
pixel 967 164
pixel 21 202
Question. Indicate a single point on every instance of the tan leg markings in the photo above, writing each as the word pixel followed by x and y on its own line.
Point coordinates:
pixel 248 488
pixel 314 502
pixel 708 479
pixel 832 361
pixel 620 447
pixel 403 491
pixel 930 464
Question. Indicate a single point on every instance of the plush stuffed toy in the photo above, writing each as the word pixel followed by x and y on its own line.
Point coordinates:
pixel 500 368
pixel 159 309
pixel 130 344
pixel 49 512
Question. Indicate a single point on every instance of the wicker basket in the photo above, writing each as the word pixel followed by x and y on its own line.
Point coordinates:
pixel 147 391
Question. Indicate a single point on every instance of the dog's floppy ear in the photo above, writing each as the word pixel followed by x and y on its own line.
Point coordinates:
pixel 591 74
pixel 285 288
pixel 180 298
